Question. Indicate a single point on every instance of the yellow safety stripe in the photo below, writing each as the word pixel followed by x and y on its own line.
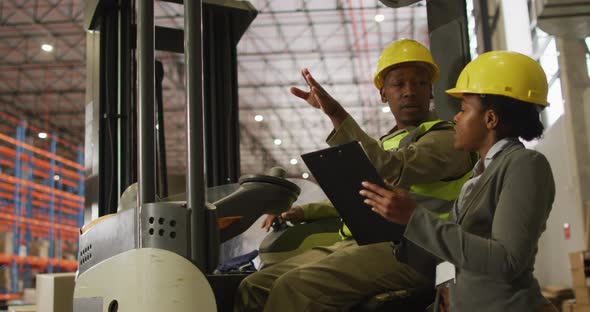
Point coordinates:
pixel 447 190
pixel 394 142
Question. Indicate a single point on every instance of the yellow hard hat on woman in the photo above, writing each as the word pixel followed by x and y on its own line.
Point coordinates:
pixel 505 73
pixel 403 51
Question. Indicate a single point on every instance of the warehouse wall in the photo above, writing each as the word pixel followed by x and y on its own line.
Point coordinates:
pixel 552 267
pixel 566 144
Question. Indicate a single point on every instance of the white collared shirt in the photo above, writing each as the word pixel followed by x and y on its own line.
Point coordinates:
pixel 478 170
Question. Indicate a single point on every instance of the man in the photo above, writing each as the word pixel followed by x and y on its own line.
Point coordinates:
pixel 417 154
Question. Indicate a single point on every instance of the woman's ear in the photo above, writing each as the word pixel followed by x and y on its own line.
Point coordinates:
pixel 491 119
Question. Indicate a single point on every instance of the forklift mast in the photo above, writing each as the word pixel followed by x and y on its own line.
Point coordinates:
pixel 112 97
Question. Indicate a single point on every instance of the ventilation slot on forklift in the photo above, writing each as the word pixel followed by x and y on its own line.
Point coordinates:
pixel 85 254
pixel 164 228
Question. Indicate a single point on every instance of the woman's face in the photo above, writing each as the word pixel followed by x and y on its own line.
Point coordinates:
pixel 470 130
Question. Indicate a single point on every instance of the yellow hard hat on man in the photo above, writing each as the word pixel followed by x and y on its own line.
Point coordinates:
pixel 403 51
pixel 505 73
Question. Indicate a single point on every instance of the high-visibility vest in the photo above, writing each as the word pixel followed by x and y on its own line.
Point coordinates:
pixel 436 196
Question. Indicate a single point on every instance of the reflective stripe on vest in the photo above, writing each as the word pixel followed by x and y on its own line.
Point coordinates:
pixel 436 196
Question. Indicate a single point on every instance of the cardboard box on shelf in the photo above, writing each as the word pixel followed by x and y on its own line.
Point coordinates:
pixel 39 248
pixel 557 291
pixel 63 249
pixel 29 296
pixel 580 277
pixel 587 225
pixel 5 278
pixel 579 259
pixel 57 248
pixel 572 306
pixel 33 276
pixel 67 249
pixel 582 295
pixel 23 308
pixel 580 268
pixel 70 248
pixel 6 243
pixel 557 294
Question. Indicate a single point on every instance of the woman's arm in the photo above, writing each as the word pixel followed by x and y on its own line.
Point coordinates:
pixel 523 207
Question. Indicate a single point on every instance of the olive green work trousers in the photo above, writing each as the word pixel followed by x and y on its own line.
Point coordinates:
pixel 332 278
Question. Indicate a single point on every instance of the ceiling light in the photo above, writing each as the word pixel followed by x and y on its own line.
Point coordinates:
pixel 42 135
pixel 56 177
pixel 379 18
pixel 46 47
pixel 293 161
pixel 278 141
pixel 305 175
pixel 259 118
pixel 386 109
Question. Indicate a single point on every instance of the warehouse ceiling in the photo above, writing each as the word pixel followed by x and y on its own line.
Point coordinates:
pixel 338 40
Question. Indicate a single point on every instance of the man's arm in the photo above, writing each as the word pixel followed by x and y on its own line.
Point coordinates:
pixel 311 211
pixel 431 158
pixel 319 210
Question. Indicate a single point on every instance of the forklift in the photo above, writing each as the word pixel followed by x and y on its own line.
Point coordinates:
pixel 142 249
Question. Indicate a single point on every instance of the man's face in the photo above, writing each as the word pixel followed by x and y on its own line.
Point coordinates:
pixel 407 90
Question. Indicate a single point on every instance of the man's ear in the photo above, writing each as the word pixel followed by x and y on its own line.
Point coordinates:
pixel 382 93
pixel 491 119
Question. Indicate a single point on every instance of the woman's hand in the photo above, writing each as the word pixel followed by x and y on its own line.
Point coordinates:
pixel 392 203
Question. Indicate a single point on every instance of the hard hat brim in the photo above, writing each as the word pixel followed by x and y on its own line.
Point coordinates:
pixel 431 67
pixel 458 93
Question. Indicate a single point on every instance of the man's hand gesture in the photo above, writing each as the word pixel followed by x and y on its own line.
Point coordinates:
pixel 320 99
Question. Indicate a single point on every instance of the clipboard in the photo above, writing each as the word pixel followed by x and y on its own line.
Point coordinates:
pixel 339 171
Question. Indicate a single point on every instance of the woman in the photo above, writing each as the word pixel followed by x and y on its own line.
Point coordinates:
pixel 495 226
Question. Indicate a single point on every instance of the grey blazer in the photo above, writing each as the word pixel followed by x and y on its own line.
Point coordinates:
pixel 494 243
